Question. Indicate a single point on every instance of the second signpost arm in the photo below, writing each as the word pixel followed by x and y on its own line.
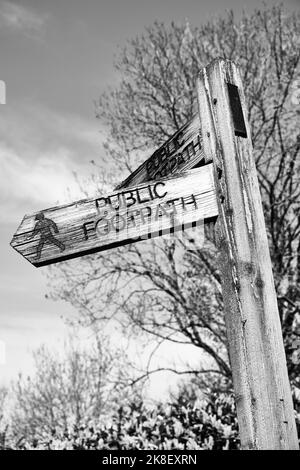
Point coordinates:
pixel 262 390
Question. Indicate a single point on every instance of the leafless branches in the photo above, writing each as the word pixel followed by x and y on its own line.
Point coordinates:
pixel 155 288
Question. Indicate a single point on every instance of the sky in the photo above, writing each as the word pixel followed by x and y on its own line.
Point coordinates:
pixel 56 58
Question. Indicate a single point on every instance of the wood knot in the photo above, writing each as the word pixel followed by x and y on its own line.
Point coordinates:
pixel 259 282
pixel 221 196
pixel 249 268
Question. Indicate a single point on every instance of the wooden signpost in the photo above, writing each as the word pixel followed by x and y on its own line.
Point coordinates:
pixel 147 205
pixel 262 390
pixel 181 152
pixel 91 225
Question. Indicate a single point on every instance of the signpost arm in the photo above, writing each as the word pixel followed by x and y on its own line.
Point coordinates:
pixel 262 390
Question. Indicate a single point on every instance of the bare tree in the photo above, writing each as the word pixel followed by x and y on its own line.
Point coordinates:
pixel 3 415
pixel 150 287
pixel 68 389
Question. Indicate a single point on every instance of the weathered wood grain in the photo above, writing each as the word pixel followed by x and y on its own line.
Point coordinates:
pixel 257 357
pixel 134 214
pixel 180 153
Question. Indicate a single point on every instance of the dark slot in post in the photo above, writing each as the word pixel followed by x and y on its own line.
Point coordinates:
pixel 236 111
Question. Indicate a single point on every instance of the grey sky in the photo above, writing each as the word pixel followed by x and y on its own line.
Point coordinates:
pixel 56 58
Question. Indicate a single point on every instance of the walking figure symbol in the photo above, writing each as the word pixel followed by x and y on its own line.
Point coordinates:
pixel 45 227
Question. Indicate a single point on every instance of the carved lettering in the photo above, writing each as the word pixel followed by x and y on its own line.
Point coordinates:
pixel 150 196
pixel 155 190
pixel 116 222
pixel 188 200
pixel 129 198
pixel 160 211
pixel 171 202
pixel 99 202
pixel 131 217
pixel 103 229
pixel 159 166
pixel 145 217
pixel 86 229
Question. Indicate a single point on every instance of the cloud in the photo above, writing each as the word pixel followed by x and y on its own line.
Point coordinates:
pixel 21 334
pixel 40 150
pixel 17 18
pixel 31 128
pixel 29 186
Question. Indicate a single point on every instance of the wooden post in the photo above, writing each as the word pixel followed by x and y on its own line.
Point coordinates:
pixel 262 390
